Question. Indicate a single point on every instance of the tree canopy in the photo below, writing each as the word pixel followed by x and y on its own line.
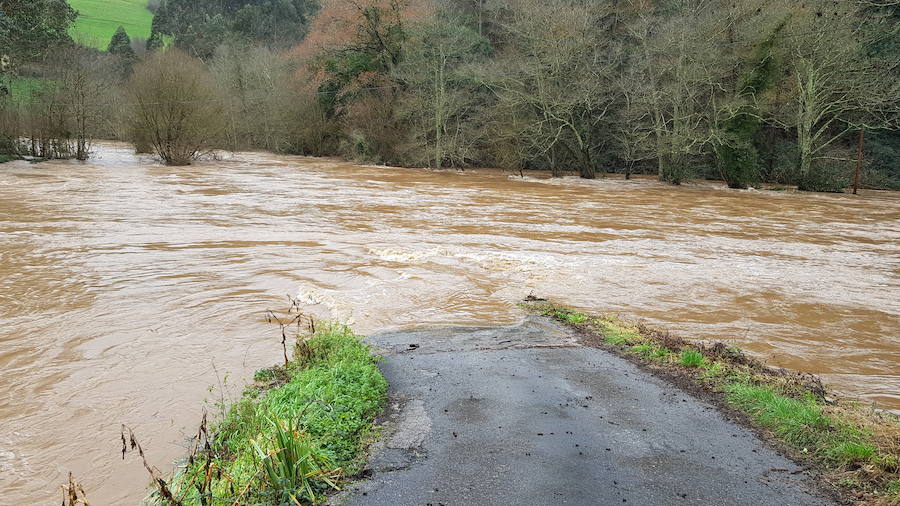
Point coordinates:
pixel 199 26
pixel 120 44
pixel 29 28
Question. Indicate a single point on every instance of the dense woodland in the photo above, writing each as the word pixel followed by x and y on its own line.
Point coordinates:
pixel 747 91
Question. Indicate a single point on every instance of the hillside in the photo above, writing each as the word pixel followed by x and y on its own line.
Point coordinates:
pixel 98 20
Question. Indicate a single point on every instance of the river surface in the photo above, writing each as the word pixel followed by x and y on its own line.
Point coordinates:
pixel 128 289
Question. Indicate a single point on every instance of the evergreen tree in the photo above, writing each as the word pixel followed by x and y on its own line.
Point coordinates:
pixel 737 153
pixel 155 42
pixel 120 44
pixel 29 28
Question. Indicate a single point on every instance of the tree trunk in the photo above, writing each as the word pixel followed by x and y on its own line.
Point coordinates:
pixel 859 156
pixel 587 165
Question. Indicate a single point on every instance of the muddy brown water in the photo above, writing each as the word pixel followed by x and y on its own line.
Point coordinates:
pixel 128 289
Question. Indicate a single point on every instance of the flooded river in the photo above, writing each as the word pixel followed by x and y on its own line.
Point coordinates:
pixel 127 289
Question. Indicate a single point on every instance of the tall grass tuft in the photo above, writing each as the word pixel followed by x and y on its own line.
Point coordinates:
pixel 692 358
pixel 798 421
pixel 294 466
pixel 292 438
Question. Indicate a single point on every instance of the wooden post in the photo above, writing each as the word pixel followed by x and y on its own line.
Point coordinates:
pixel 859 155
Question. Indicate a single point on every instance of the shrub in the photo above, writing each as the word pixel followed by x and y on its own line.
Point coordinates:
pixel 677 169
pixel 739 164
pixel 178 107
pixel 826 176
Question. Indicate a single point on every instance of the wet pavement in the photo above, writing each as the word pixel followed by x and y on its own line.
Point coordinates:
pixel 523 415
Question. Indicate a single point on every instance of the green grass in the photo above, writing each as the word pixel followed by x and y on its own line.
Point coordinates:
pixel 617 333
pixel 803 423
pixel 292 441
pixel 648 350
pixel 98 20
pixel 692 358
pixel 795 420
pixel 892 494
pixel 571 316
pixel 851 452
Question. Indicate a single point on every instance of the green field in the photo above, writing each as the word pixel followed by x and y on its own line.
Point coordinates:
pixel 98 20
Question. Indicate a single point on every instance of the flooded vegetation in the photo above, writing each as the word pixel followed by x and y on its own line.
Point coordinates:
pixel 127 288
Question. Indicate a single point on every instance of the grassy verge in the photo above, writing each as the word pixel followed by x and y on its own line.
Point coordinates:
pixel 294 434
pixel 856 448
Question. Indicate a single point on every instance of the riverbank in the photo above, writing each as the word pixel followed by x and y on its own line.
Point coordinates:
pixel 855 448
pixel 296 433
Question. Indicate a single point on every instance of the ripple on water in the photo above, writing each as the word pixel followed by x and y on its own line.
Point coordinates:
pixel 127 288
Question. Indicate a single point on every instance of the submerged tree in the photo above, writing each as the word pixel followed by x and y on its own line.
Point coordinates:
pixel 84 82
pixel 257 85
pixel 679 71
pixel 737 155
pixel 178 107
pixel 835 88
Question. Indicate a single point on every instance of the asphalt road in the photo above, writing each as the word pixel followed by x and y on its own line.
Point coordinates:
pixel 523 415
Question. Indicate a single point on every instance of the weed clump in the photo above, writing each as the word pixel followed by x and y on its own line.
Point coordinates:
pixel 692 358
pixel 295 440
pixel 568 316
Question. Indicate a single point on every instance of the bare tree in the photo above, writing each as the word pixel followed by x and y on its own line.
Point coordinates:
pixel 178 108
pixel 256 84
pixel 834 87
pixel 85 85
pixel 631 132
pixel 675 79
pixel 438 101
pixel 556 75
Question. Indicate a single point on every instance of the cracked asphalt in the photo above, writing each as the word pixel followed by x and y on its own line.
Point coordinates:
pixel 523 415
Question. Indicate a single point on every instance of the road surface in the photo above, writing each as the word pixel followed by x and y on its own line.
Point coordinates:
pixel 524 415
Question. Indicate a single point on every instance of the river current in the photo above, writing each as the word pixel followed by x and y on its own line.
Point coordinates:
pixel 133 293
